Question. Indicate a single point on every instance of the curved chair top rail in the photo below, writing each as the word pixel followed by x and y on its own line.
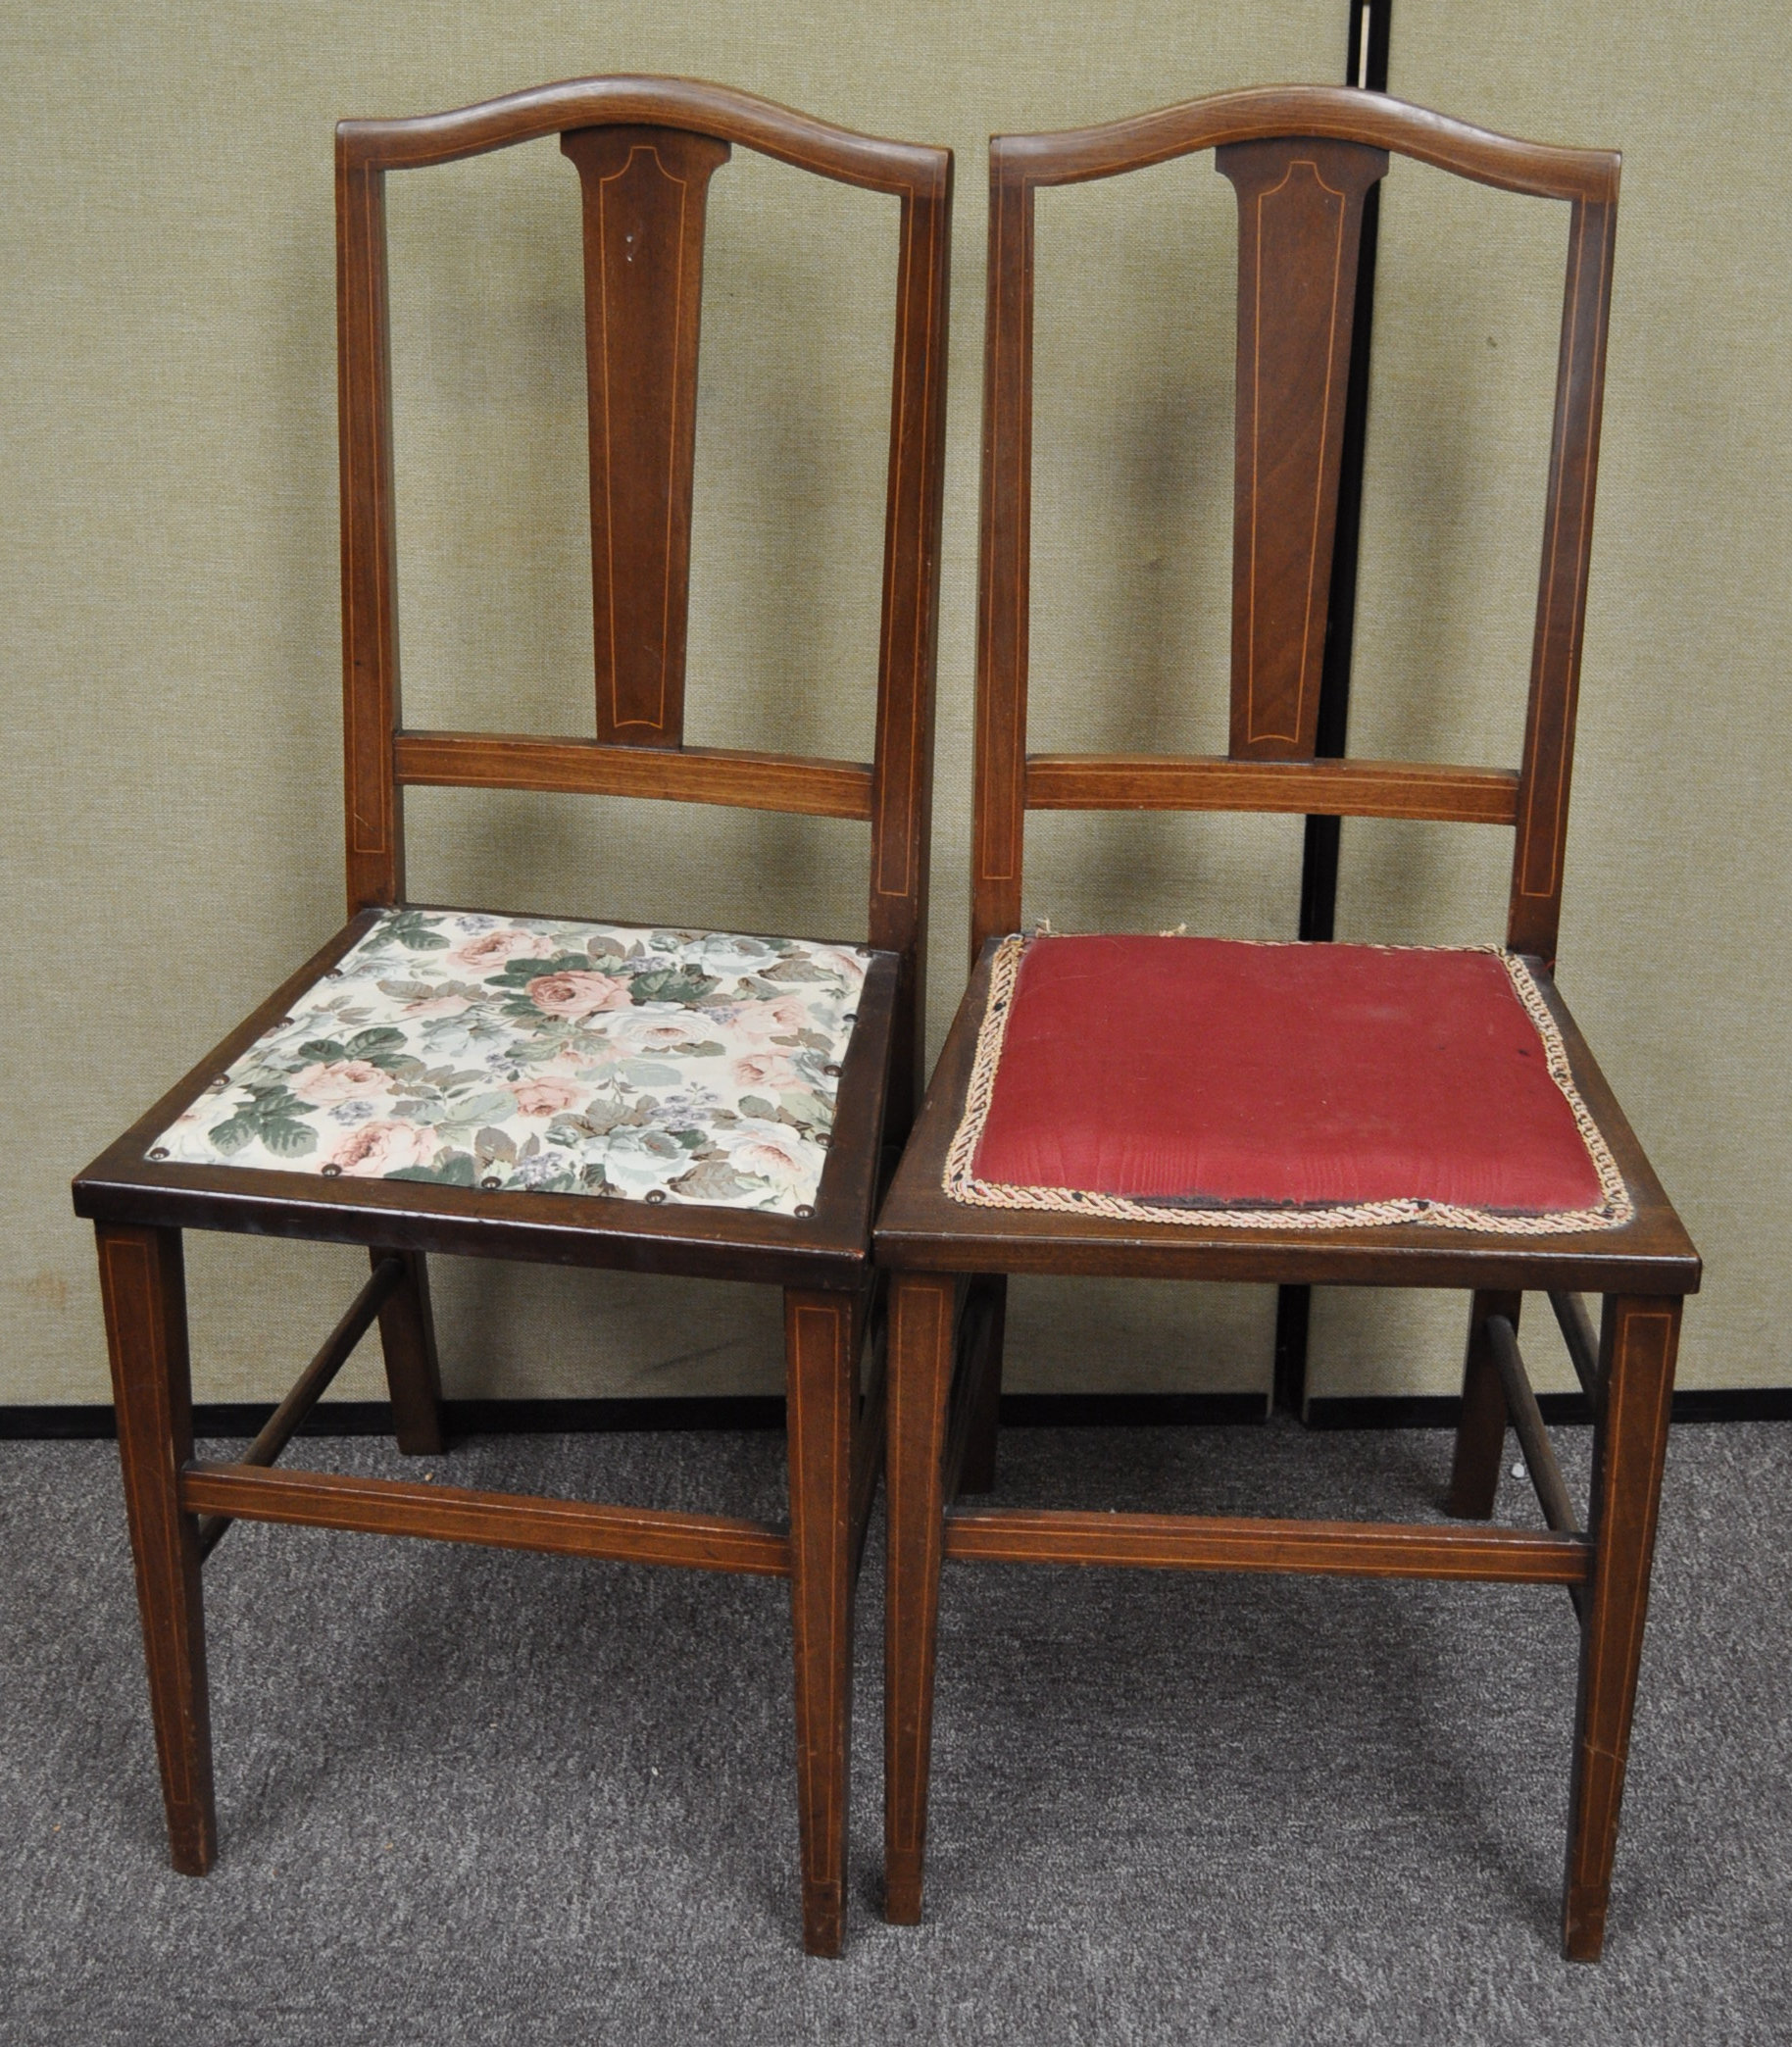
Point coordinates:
pixel 679 103
pixel 1337 112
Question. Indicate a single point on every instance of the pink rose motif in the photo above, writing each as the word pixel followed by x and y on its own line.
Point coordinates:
pixel 778 1160
pixel 489 949
pixel 379 1148
pixel 766 1070
pixel 578 994
pixel 760 1021
pixel 339 1080
pixel 543 1096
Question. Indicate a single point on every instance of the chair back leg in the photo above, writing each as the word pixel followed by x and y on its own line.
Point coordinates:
pixel 1638 1340
pixel 822 1353
pixel 407 1336
pixel 1481 1434
pixel 144 1286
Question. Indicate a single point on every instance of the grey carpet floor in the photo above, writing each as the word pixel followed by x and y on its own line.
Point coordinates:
pixel 465 1796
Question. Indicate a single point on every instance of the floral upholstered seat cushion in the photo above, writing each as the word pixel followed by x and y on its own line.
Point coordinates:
pixel 535 1053
pixel 1211 1082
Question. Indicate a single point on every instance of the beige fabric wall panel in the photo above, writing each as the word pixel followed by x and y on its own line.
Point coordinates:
pixel 170 818
pixel 170 813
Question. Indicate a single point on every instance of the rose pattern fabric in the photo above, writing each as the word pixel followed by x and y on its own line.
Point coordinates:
pixel 538 1053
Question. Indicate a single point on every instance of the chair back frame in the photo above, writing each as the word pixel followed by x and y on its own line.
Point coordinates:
pixel 644 149
pixel 1301 159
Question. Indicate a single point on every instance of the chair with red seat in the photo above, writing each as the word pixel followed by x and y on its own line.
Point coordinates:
pixel 1295 1115
pixel 650 1098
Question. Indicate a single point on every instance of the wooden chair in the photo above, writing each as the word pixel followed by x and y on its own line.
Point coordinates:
pixel 1169 1108
pixel 344 1110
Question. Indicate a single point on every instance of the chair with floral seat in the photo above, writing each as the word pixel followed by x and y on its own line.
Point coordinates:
pixel 655 1098
pixel 1185 1108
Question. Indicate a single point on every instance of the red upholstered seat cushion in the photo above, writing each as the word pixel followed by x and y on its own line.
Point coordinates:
pixel 1208 1073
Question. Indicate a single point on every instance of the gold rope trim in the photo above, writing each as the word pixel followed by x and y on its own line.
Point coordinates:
pixel 961 1184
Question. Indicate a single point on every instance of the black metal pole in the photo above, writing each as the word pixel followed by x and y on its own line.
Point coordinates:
pixel 1365 66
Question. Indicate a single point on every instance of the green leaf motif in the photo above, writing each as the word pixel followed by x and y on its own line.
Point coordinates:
pixel 494 1144
pixel 452 1169
pixel 230 1136
pixel 323 1051
pixel 757 1105
pixel 286 1139
pixel 714 1179
pixel 416 933
pixel 671 984
pixel 381 1037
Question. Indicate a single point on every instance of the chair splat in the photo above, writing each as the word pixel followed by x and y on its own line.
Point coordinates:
pixel 1300 219
pixel 644 192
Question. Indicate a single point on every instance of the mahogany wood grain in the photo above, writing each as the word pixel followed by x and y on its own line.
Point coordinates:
pixel 1536 911
pixel 1258 112
pixel 488 1520
pixel 593 767
pixel 1326 788
pixel 1304 161
pixel 374 824
pixel 869 1430
pixel 1582 1341
pixel 970 1462
pixel 1481 1430
pixel 644 193
pixel 1528 1421
pixel 407 1338
pixel 645 150
pixel 1200 1542
pixel 1638 1341
pixel 1303 158
pixel 822 1394
pixel 920 1373
pixel 314 1381
pixel 143 1287
pixel 1300 224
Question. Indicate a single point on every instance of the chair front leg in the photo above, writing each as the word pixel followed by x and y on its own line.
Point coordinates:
pixel 921 1379
pixel 1480 1434
pixel 407 1336
pixel 144 1286
pixel 820 1343
pixel 1638 1341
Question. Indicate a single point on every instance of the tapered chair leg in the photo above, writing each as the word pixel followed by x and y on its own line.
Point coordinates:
pixel 407 1335
pixel 920 1377
pixel 1637 1346
pixel 143 1285
pixel 1481 1434
pixel 985 1317
pixel 820 1332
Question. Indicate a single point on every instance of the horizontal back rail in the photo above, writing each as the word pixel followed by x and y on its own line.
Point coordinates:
pixel 1326 788
pixel 793 783
pixel 1330 112
pixel 868 161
